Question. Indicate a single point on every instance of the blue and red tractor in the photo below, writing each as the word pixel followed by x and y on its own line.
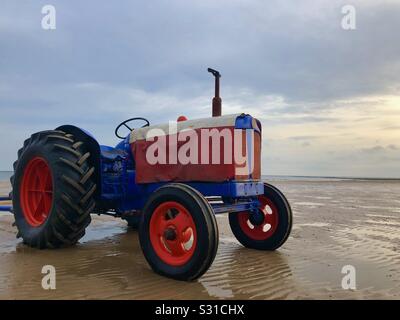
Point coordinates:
pixel 63 176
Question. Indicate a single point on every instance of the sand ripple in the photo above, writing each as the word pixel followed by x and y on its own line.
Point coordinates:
pixel 346 223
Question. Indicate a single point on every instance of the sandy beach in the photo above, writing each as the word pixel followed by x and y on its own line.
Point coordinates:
pixel 336 223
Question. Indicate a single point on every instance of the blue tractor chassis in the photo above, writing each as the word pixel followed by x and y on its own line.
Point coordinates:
pixel 239 196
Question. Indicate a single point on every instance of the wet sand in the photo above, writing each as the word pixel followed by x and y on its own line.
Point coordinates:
pixel 336 223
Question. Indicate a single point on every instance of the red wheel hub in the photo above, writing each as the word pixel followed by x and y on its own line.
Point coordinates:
pixel 173 233
pixel 36 193
pixel 268 225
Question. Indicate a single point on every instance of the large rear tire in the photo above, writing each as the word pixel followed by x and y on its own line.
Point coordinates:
pixel 178 233
pixel 267 229
pixel 52 190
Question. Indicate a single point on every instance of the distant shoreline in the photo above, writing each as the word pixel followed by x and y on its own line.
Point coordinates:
pixel 331 178
pixel 5 176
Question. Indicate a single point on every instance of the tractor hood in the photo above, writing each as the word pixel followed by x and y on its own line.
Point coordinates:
pixel 237 121
pixel 210 149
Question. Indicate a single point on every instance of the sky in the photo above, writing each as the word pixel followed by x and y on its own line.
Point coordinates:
pixel 328 98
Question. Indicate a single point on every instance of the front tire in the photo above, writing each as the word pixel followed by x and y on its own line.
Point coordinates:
pixel 52 190
pixel 178 233
pixel 267 229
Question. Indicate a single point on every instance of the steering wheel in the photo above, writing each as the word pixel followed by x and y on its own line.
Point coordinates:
pixel 124 123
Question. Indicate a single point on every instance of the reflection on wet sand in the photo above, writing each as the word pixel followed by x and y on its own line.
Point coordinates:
pixel 113 267
pixel 241 273
pixel 352 227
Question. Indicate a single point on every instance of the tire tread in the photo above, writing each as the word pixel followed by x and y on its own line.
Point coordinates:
pixel 71 210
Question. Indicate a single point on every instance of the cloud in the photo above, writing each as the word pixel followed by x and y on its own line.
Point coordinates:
pixel 298 51
pixel 300 138
pixel 391 128
pixel 378 148
pixel 291 65
pixel 375 149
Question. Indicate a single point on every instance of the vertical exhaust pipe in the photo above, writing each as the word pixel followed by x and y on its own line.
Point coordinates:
pixel 216 101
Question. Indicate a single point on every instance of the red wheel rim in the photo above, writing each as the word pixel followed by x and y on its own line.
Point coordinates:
pixel 268 226
pixel 173 233
pixel 36 191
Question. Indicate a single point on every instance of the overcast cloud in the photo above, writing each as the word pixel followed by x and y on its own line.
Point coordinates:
pixel 327 98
